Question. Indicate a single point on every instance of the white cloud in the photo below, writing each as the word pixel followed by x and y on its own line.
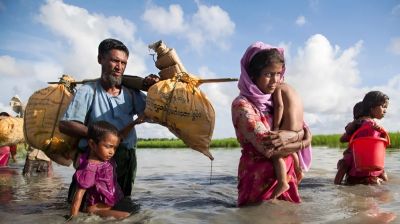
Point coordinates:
pixel 8 66
pixel 326 71
pixel 327 78
pixel 394 46
pixel 82 31
pixel 210 24
pixel 42 70
pixel 300 21
pixel 392 89
pixel 214 24
pixel 325 75
pixel 78 34
pixel 156 16
pixel 220 96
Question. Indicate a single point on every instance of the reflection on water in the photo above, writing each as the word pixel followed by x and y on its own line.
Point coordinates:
pixel 173 186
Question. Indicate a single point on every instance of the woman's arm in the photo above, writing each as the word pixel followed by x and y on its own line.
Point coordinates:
pixel 278 139
pixel 77 201
pixel 250 127
pixel 284 150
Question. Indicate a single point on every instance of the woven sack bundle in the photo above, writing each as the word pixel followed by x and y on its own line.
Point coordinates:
pixel 11 131
pixel 42 113
pixel 180 106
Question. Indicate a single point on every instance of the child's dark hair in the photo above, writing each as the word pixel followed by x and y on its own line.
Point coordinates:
pixel 373 99
pixel 264 59
pixel 109 44
pixel 358 110
pixel 99 129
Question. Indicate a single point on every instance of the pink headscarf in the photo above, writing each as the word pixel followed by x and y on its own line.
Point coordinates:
pixel 263 101
pixel 246 86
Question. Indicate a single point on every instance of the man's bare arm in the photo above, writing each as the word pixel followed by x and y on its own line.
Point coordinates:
pixel 73 129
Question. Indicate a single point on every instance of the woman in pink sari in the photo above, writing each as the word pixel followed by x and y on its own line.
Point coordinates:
pixel 262 69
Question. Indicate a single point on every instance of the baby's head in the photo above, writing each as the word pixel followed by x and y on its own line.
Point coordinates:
pixel 375 104
pixel 103 140
pixel 358 110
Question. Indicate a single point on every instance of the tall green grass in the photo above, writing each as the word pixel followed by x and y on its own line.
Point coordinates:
pixel 176 143
pixel 331 141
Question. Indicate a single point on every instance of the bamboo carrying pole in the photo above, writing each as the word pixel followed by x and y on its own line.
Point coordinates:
pixel 127 79
pixel 201 81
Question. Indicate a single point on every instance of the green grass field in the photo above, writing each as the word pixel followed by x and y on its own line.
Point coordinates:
pixel 331 141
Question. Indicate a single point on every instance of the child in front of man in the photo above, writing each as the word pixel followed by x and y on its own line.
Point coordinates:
pixel 96 174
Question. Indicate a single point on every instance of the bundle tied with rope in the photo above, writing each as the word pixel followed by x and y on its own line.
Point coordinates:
pixel 11 132
pixel 177 103
pixel 43 111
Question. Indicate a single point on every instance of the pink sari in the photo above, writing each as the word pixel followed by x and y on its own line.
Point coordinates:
pixel 256 176
pixel 5 152
pixel 251 117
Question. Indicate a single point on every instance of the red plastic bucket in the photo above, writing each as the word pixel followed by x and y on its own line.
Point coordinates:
pixel 369 152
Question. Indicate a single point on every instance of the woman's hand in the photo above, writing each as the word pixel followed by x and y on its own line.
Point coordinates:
pixel 278 139
pixel 293 144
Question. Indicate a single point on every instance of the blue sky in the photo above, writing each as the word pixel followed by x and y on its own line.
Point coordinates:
pixel 336 51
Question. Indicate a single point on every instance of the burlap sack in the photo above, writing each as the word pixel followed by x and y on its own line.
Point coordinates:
pixel 170 72
pixel 44 109
pixel 167 61
pixel 11 131
pixel 180 106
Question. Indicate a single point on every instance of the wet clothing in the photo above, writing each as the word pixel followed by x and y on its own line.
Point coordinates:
pixel 256 175
pixel 251 117
pixel 33 167
pixel 350 129
pixel 13 150
pixel 354 176
pixel 37 163
pixel 5 153
pixel 99 180
pixel 92 103
pixel 126 169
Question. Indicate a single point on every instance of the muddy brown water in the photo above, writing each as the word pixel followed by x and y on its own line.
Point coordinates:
pixel 173 186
